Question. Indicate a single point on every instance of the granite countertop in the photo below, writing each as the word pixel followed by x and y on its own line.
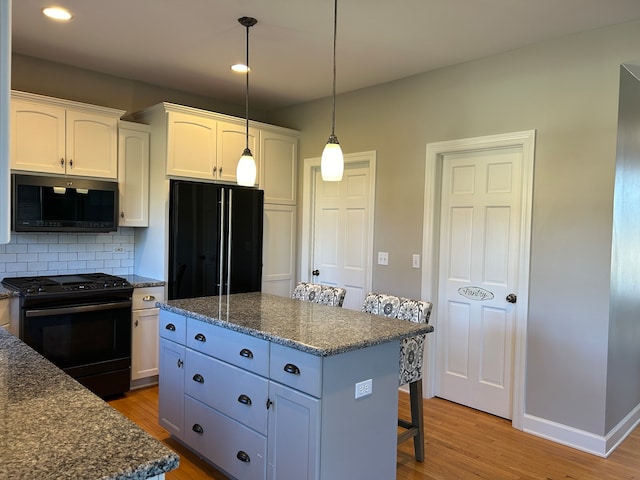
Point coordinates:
pixel 54 428
pixel 317 329
pixel 139 281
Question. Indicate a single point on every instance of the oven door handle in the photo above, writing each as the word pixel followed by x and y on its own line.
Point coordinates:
pixel 77 309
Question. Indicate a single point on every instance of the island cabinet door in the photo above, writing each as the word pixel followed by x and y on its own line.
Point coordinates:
pixel 171 387
pixel 294 434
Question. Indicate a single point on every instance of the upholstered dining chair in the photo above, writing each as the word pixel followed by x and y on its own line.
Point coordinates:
pixel 411 354
pixel 324 294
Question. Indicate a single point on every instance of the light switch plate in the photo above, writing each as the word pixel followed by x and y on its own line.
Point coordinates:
pixel 415 260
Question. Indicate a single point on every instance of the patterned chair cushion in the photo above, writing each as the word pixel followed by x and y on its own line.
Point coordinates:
pixel 323 294
pixel 411 349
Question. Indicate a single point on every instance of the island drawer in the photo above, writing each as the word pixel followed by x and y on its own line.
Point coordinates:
pixel 297 369
pixel 233 447
pixel 173 327
pixel 146 297
pixel 243 398
pixel 237 348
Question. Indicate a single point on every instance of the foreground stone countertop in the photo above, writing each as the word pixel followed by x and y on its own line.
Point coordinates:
pixel 309 327
pixel 51 427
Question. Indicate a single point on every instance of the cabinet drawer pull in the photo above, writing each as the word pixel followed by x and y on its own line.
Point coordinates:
pixel 197 428
pixel 170 326
pixel 200 337
pixel 291 368
pixel 62 162
pixel 245 352
pixel 243 399
pixel 148 298
pixel 243 456
pixel 198 378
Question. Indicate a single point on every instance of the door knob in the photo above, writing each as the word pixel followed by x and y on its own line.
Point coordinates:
pixel 512 298
pixel 315 273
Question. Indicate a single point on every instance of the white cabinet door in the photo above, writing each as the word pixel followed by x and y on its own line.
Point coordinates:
pixel 191 146
pixel 133 174
pixel 278 249
pixel 144 343
pixel 92 145
pixel 293 447
pixel 279 157
pixel 37 137
pixel 231 144
pixel 171 387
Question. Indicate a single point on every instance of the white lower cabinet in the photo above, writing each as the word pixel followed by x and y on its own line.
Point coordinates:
pixel 261 410
pixel 144 334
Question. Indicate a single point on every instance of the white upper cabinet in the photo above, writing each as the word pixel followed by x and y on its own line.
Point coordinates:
pixel 56 136
pixel 278 178
pixel 231 143
pixel 133 174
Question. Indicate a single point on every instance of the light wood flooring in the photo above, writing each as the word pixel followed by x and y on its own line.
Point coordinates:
pixel 461 443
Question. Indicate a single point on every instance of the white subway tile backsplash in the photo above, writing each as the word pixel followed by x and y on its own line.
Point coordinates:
pixel 29 254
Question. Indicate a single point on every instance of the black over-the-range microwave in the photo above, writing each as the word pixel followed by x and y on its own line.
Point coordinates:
pixel 63 204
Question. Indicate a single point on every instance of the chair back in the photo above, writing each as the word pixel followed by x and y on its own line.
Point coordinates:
pixel 323 294
pixel 411 349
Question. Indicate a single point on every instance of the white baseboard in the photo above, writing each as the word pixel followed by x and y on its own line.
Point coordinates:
pixel 599 445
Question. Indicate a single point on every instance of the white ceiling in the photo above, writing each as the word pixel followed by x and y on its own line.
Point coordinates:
pixel 190 44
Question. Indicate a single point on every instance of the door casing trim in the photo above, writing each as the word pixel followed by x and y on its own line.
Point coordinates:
pixel 308 195
pixel 430 249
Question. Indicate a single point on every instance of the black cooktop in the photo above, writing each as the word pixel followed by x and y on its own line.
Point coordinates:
pixel 66 284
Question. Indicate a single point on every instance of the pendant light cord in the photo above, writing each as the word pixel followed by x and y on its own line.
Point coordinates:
pixel 335 28
pixel 246 102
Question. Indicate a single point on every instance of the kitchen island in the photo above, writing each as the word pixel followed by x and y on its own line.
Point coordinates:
pixel 54 428
pixel 270 387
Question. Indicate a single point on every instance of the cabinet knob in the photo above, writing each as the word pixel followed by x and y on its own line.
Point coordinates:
pixel 135 324
pixel 121 214
pixel 243 457
pixel 71 163
pixel 291 368
pixel 179 363
pixel 170 326
pixel 62 163
pixel 246 353
pixel 200 337
pixel 244 399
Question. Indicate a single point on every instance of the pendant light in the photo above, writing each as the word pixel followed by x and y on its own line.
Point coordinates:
pixel 246 169
pixel 332 164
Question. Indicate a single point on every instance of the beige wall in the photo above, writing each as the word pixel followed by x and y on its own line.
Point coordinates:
pixel 567 90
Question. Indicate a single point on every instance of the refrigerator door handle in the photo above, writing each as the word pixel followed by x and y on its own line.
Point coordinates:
pixel 228 289
pixel 221 256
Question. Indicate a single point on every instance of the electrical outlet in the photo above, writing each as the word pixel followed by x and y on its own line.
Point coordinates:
pixel 383 258
pixel 118 249
pixel 364 388
pixel 415 260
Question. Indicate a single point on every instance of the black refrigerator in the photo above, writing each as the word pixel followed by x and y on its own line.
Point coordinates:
pixel 215 239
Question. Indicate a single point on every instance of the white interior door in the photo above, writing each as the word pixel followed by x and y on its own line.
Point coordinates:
pixel 339 246
pixel 480 223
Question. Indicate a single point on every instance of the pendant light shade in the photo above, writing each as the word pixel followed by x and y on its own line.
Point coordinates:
pixel 332 164
pixel 246 169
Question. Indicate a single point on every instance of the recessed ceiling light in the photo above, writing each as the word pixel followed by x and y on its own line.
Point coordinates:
pixel 240 68
pixel 57 13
